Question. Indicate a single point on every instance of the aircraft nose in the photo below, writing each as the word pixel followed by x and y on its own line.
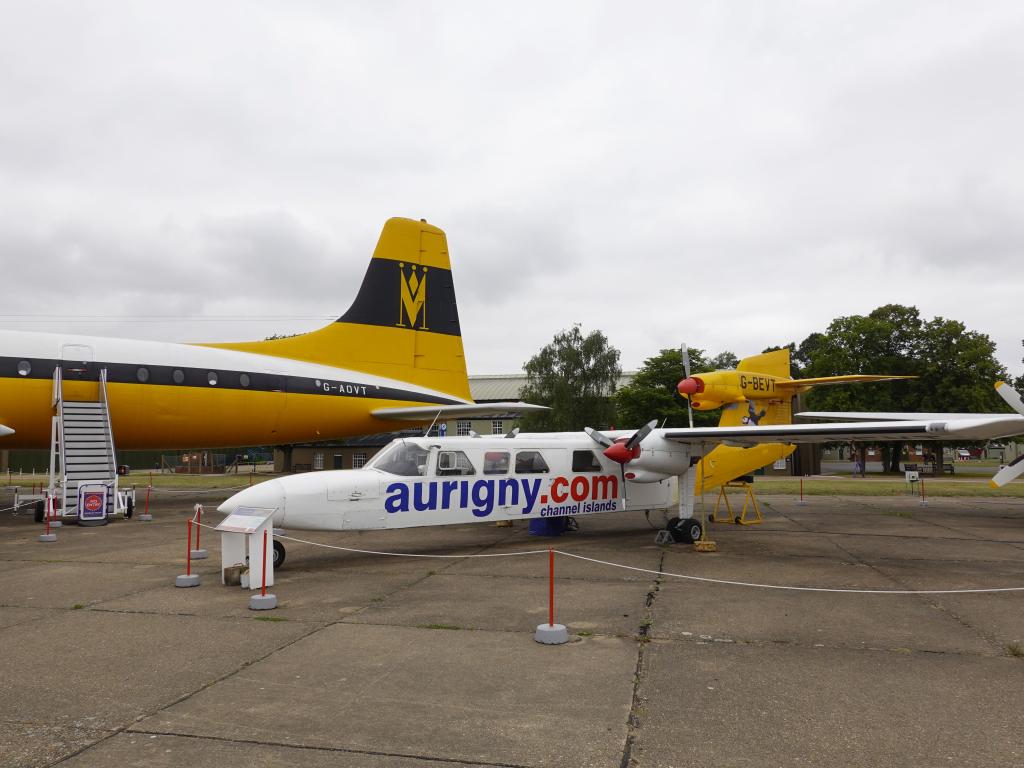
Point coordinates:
pixel 690 386
pixel 268 494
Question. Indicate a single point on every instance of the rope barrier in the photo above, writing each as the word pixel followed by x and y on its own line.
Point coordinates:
pixel 704 579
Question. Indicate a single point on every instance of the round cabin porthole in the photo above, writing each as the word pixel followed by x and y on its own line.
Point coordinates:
pixel 244 380
pixel 211 378
pixel 178 376
pixel 142 375
pixel 24 368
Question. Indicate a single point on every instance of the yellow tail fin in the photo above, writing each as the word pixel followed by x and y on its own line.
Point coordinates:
pixel 726 463
pixel 403 323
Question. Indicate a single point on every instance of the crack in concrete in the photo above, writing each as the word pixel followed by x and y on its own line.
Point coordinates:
pixel 185 697
pixel 637 702
pixel 320 748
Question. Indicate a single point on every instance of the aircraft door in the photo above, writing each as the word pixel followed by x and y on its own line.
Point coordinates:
pixel 355 496
pixel 78 372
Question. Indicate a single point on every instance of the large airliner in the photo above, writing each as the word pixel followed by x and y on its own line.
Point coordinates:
pixel 395 356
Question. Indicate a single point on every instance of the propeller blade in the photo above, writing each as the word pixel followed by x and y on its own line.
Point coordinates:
pixel 1011 471
pixel 513 433
pixel 685 351
pixel 598 437
pixel 1011 396
pixel 640 434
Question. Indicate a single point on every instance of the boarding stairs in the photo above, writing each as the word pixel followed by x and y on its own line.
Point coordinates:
pixel 82 449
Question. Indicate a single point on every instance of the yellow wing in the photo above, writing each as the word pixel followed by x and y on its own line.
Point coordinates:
pixel 827 380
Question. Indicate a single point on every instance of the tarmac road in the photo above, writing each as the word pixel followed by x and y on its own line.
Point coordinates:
pixel 416 663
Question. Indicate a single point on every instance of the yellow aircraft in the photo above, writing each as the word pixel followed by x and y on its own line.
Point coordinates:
pixel 395 356
pixel 758 393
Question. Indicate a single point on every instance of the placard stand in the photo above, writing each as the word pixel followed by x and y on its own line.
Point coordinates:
pixel 241 544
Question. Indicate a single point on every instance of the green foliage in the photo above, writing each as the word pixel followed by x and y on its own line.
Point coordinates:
pixel 652 393
pixel 575 376
pixel 721 362
pixel 956 368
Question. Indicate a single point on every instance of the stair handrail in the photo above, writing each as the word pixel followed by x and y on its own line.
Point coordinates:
pixel 57 439
pixel 57 379
pixel 112 453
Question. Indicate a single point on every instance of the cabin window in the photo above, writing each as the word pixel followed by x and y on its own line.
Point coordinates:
pixel 434 431
pixel 530 462
pixel 358 460
pixel 318 460
pixel 243 379
pixel 211 378
pixel 142 374
pixel 24 368
pixel 454 463
pixel 405 459
pixel 463 427
pixel 585 461
pixel 497 427
pixel 178 376
pixel 496 462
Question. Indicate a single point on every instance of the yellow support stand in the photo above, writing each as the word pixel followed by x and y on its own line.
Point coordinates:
pixel 749 505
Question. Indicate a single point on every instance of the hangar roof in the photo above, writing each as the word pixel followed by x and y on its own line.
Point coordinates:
pixel 498 387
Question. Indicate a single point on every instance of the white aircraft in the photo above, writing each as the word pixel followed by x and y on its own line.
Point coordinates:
pixel 453 480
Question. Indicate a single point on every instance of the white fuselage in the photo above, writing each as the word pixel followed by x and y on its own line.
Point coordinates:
pixel 445 481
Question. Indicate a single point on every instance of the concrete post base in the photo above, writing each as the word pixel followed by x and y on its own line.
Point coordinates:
pixel 56 524
pixel 145 518
pixel 199 554
pixel 187 580
pixel 551 634
pixel 48 537
pixel 262 602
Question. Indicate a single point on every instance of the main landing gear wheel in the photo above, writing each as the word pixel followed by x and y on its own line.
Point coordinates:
pixel 684 530
pixel 129 508
pixel 278 554
pixel 40 512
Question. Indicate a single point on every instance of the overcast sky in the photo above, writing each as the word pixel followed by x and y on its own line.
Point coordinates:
pixel 731 174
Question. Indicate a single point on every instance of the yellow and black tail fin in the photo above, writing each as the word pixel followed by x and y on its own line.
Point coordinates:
pixel 403 323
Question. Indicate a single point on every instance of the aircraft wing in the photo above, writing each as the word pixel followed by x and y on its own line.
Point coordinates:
pixel 428 412
pixel 824 381
pixel 4 431
pixel 881 416
pixel 979 427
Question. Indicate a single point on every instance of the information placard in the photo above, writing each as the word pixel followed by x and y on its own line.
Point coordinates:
pixel 92 502
pixel 246 519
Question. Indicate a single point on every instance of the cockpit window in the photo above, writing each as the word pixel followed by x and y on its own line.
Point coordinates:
pixel 405 459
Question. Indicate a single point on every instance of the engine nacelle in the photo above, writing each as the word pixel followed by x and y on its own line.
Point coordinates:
pixel 645 476
pixel 659 458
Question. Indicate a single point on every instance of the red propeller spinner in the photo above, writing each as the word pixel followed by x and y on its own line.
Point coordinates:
pixel 691 385
pixel 621 453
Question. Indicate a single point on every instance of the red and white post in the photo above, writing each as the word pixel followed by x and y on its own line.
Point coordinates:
pixel 551 633
pixel 198 553
pixel 263 601
pixel 47 536
pixel 188 579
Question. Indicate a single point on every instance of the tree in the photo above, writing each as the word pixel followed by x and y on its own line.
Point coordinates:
pixel 955 367
pixel 652 393
pixel 575 376
pixel 724 361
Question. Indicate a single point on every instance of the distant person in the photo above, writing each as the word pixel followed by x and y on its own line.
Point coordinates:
pixel 857 468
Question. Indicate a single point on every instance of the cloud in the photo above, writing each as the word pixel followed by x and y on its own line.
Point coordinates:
pixel 731 177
